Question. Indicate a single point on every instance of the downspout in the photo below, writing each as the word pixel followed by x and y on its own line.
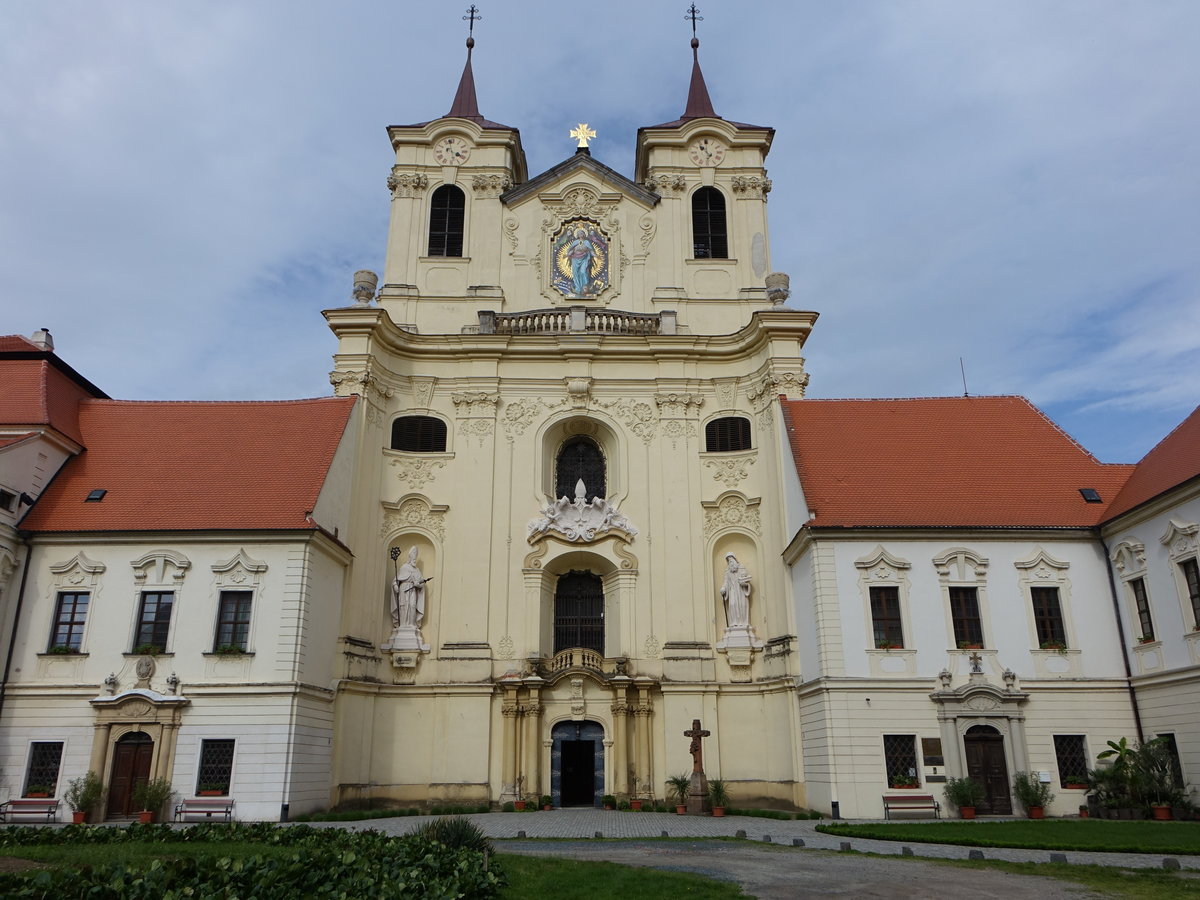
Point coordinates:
pixel 12 638
pixel 1112 589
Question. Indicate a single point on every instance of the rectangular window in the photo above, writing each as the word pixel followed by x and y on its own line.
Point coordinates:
pixel 1047 616
pixel 154 620
pixel 233 620
pixel 885 616
pixel 7 500
pixel 45 757
pixel 216 767
pixel 964 613
pixel 900 759
pixel 1142 603
pixel 69 618
pixel 1191 578
pixel 1071 754
pixel 1173 751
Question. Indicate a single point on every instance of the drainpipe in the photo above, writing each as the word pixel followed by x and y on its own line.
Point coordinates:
pixel 12 638
pixel 1112 589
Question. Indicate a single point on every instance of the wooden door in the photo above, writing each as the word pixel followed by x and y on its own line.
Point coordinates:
pixel 130 767
pixel 984 748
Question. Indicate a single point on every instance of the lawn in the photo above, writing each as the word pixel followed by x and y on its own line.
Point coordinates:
pixel 1169 838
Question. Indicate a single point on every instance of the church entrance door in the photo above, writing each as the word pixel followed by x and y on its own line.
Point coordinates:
pixel 132 756
pixel 984 749
pixel 577 763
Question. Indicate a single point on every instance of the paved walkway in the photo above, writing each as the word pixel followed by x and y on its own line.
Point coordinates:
pixel 594 823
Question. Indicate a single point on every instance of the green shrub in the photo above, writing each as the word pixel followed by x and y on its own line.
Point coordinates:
pixel 1030 790
pixel 508 806
pixel 455 832
pixel 962 792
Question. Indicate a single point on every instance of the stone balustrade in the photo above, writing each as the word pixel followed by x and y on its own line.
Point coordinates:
pixel 576 320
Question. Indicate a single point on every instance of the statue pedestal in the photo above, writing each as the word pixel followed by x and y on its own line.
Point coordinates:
pixel 698 804
pixel 740 637
pixel 406 638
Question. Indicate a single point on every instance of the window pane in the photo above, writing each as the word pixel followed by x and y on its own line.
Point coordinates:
pixel 1142 603
pixel 233 622
pixel 964 612
pixel 885 616
pixel 579 612
pixel 709 235
pixel 216 766
pixel 45 757
pixel 1047 616
pixel 900 759
pixel 447 214
pixel 69 620
pixel 1191 577
pixel 580 459
pixel 154 620
pixel 1071 754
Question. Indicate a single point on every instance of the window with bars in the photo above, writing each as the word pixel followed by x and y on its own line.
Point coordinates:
pixel 964 614
pixel 710 237
pixel 216 766
pixel 154 620
pixel 727 434
pixel 1070 751
pixel 579 612
pixel 1047 618
pixel 900 760
pixel 1191 580
pixel 70 615
pixel 579 459
pixel 447 214
pixel 45 759
pixel 233 621
pixel 1141 603
pixel 419 434
pixel 885 616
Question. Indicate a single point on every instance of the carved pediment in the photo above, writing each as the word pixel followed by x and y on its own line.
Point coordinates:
pixel 1180 538
pixel 880 565
pixel 1129 557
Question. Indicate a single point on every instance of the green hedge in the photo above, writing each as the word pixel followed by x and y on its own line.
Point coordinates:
pixel 326 863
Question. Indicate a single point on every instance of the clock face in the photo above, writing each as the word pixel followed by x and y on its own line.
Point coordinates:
pixel 707 151
pixel 452 151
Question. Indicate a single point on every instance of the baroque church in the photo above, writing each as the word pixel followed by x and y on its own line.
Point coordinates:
pixel 567 497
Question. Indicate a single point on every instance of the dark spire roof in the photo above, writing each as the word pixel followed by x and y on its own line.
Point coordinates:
pixel 698 103
pixel 465 106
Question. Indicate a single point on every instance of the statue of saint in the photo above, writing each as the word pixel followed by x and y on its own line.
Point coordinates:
pixel 408 594
pixel 735 591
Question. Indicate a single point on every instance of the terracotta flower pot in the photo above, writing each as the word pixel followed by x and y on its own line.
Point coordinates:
pixel 146 816
pixel 1161 813
pixel 636 805
pixel 967 812
pixel 519 805
pixel 681 809
pixel 718 812
pixel 546 807
pixel 1037 812
pixel 79 817
pixel 1083 814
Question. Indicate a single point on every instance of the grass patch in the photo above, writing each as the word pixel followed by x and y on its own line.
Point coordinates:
pixel 570 879
pixel 1138 884
pixel 1170 838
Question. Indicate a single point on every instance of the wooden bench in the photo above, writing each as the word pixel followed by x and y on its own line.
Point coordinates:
pixel 204 809
pixel 907 802
pixel 38 808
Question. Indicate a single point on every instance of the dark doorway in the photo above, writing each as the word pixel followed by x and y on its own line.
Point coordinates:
pixel 130 767
pixel 984 747
pixel 579 612
pixel 578 768
pixel 577 763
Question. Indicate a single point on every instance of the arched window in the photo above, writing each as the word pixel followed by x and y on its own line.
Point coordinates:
pixel 579 612
pixel 726 434
pixel 710 238
pixel 419 434
pixel 580 458
pixel 447 210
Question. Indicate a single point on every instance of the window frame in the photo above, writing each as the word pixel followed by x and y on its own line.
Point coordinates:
pixel 204 777
pixel 1063 758
pixel 893 760
pixel 562 489
pixel 1048 616
pixel 1140 600
pixel 52 783
pixel 155 626
pixel 75 622
pixel 971 620
pixel 717 238
pixel 234 621
pixel 720 431
pixel 887 616
pixel 577 620
pixel 436 428
pixel 1189 580
pixel 446 236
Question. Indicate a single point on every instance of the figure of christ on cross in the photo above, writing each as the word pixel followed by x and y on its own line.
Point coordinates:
pixel 697 751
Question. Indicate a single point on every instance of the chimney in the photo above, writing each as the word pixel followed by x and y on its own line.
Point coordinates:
pixel 43 340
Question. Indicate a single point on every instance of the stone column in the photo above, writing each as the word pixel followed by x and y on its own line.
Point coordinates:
pixel 508 777
pixel 620 737
pixel 99 759
pixel 644 714
pixel 532 744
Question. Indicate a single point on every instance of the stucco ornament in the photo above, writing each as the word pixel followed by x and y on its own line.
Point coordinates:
pixel 408 606
pixel 578 520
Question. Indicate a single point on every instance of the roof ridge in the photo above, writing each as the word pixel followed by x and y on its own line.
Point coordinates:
pixel 116 402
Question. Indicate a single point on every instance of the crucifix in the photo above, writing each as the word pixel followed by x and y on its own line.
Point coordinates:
pixel 583 134
pixel 697 735
pixel 472 16
pixel 694 15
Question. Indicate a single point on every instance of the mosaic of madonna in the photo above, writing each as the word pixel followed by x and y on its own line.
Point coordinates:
pixel 579 260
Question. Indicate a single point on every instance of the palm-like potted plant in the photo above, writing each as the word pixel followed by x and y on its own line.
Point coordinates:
pixel 1033 793
pixel 678 788
pixel 151 796
pixel 718 796
pixel 83 794
pixel 966 794
pixel 608 801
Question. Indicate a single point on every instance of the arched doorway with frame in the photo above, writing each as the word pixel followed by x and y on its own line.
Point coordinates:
pixel 134 741
pixel 577 763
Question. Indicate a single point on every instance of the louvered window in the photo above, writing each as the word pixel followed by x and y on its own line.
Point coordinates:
pixel 710 238
pixel 579 612
pixel 419 434
pixel 727 434
pixel 447 212
pixel 580 458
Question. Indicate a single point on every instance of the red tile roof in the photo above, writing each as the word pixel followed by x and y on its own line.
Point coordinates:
pixel 36 392
pixel 9 439
pixel 1173 461
pixel 943 462
pixel 195 466
pixel 16 342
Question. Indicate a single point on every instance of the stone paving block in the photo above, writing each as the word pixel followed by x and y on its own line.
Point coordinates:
pixel 1170 864
pixel 975 854
pixel 846 846
pixel 797 842
pixel 906 851
pixel 1058 857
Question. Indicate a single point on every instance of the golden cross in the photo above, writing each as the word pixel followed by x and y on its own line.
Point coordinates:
pixel 583 134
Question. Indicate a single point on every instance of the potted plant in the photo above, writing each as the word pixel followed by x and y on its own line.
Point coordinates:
pixel 635 803
pixel 718 796
pixel 904 781
pixel 608 801
pixel 1032 793
pixel 83 795
pixel 1056 645
pixel 966 794
pixel 885 644
pixel 151 796
pixel 1083 810
pixel 147 649
pixel 970 645
pixel 519 804
pixel 229 650
pixel 1075 782
pixel 39 790
pixel 1146 639
pixel 211 789
pixel 62 650
pixel 547 802
pixel 678 788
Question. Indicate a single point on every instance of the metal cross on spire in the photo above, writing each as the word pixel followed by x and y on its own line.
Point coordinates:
pixel 472 16
pixel 694 15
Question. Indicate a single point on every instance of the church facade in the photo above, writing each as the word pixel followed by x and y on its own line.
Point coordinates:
pixel 569 497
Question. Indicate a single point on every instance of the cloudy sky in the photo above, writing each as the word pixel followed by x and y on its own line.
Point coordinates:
pixel 184 185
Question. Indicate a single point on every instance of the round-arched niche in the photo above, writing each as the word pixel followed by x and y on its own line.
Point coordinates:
pixel 427 562
pixel 744 548
pixel 562 432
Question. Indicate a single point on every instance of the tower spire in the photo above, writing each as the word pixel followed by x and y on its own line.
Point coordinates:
pixel 465 106
pixel 698 103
